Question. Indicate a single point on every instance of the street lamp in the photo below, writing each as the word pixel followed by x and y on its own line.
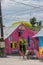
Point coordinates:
pixel 2 43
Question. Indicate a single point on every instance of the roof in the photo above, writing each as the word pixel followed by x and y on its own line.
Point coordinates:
pixel 39 34
pixel 8 30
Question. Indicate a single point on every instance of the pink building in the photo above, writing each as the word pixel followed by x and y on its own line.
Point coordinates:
pixel 12 35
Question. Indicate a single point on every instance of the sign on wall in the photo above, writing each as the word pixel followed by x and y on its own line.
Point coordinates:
pixel 2 44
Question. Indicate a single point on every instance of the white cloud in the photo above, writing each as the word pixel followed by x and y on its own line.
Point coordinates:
pixel 7 3
pixel 15 10
pixel 34 2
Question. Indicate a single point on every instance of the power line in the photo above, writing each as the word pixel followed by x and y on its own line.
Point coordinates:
pixel 28 4
pixel 26 10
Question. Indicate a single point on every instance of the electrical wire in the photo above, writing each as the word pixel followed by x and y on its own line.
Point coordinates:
pixel 28 4
pixel 28 10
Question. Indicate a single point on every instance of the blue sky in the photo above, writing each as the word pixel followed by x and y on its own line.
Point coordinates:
pixel 17 10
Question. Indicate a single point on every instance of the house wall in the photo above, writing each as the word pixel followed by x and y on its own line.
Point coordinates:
pixel 40 45
pixel 40 42
pixel 27 32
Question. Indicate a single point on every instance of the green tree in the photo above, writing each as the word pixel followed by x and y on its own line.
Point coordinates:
pixel 40 24
pixel 33 21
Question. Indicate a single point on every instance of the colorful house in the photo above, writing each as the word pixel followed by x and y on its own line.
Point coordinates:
pixel 39 35
pixel 12 35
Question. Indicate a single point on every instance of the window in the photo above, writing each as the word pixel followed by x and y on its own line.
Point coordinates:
pixel 10 38
pixel 15 44
pixel 11 45
pixel 19 33
pixel 21 29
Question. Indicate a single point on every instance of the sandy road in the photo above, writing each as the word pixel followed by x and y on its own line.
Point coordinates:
pixel 16 60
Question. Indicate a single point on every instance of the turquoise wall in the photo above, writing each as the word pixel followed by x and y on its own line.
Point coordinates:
pixel 40 42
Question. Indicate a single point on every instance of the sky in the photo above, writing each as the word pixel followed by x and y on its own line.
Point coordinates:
pixel 21 10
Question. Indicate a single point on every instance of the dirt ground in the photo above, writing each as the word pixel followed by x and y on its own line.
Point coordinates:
pixel 17 60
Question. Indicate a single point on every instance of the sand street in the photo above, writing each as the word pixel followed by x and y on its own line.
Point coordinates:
pixel 16 60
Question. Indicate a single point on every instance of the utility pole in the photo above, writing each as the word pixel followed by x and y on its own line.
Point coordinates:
pixel 1 23
pixel 2 43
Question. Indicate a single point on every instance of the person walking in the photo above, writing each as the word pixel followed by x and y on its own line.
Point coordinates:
pixel 24 51
pixel 22 46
